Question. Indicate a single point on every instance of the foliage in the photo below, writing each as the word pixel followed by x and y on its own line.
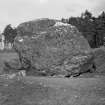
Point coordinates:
pixel 9 33
pixel 93 28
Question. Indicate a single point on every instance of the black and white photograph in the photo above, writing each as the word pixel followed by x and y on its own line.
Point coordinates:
pixel 52 52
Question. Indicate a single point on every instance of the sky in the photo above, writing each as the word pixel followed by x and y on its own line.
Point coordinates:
pixel 17 11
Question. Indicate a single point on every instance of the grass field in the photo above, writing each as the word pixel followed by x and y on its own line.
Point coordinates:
pixel 51 91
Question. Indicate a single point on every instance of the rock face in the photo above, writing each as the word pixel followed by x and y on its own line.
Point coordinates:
pixel 50 47
pixel 35 27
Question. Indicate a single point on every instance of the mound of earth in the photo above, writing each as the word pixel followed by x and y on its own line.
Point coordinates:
pixel 50 47
pixel 99 59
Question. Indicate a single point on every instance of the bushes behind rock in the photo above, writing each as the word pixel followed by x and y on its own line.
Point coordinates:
pixel 99 59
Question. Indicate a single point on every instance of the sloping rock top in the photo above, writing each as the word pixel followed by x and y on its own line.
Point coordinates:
pixel 45 45
pixel 35 27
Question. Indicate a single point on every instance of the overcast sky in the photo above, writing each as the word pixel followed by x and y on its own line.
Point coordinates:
pixel 17 11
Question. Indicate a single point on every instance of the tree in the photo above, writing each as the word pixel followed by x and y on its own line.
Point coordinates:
pixel 86 15
pixel 102 15
pixel 9 33
pixel 100 28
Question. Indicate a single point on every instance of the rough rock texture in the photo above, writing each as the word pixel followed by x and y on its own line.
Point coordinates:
pixel 34 27
pixel 50 47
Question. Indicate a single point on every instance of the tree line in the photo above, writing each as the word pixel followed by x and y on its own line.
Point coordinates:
pixel 92 28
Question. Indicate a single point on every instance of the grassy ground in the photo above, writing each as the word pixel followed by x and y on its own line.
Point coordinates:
pixel 85 90
pixel 53 91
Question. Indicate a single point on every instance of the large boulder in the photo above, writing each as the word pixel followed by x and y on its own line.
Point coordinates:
pixel 50 47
